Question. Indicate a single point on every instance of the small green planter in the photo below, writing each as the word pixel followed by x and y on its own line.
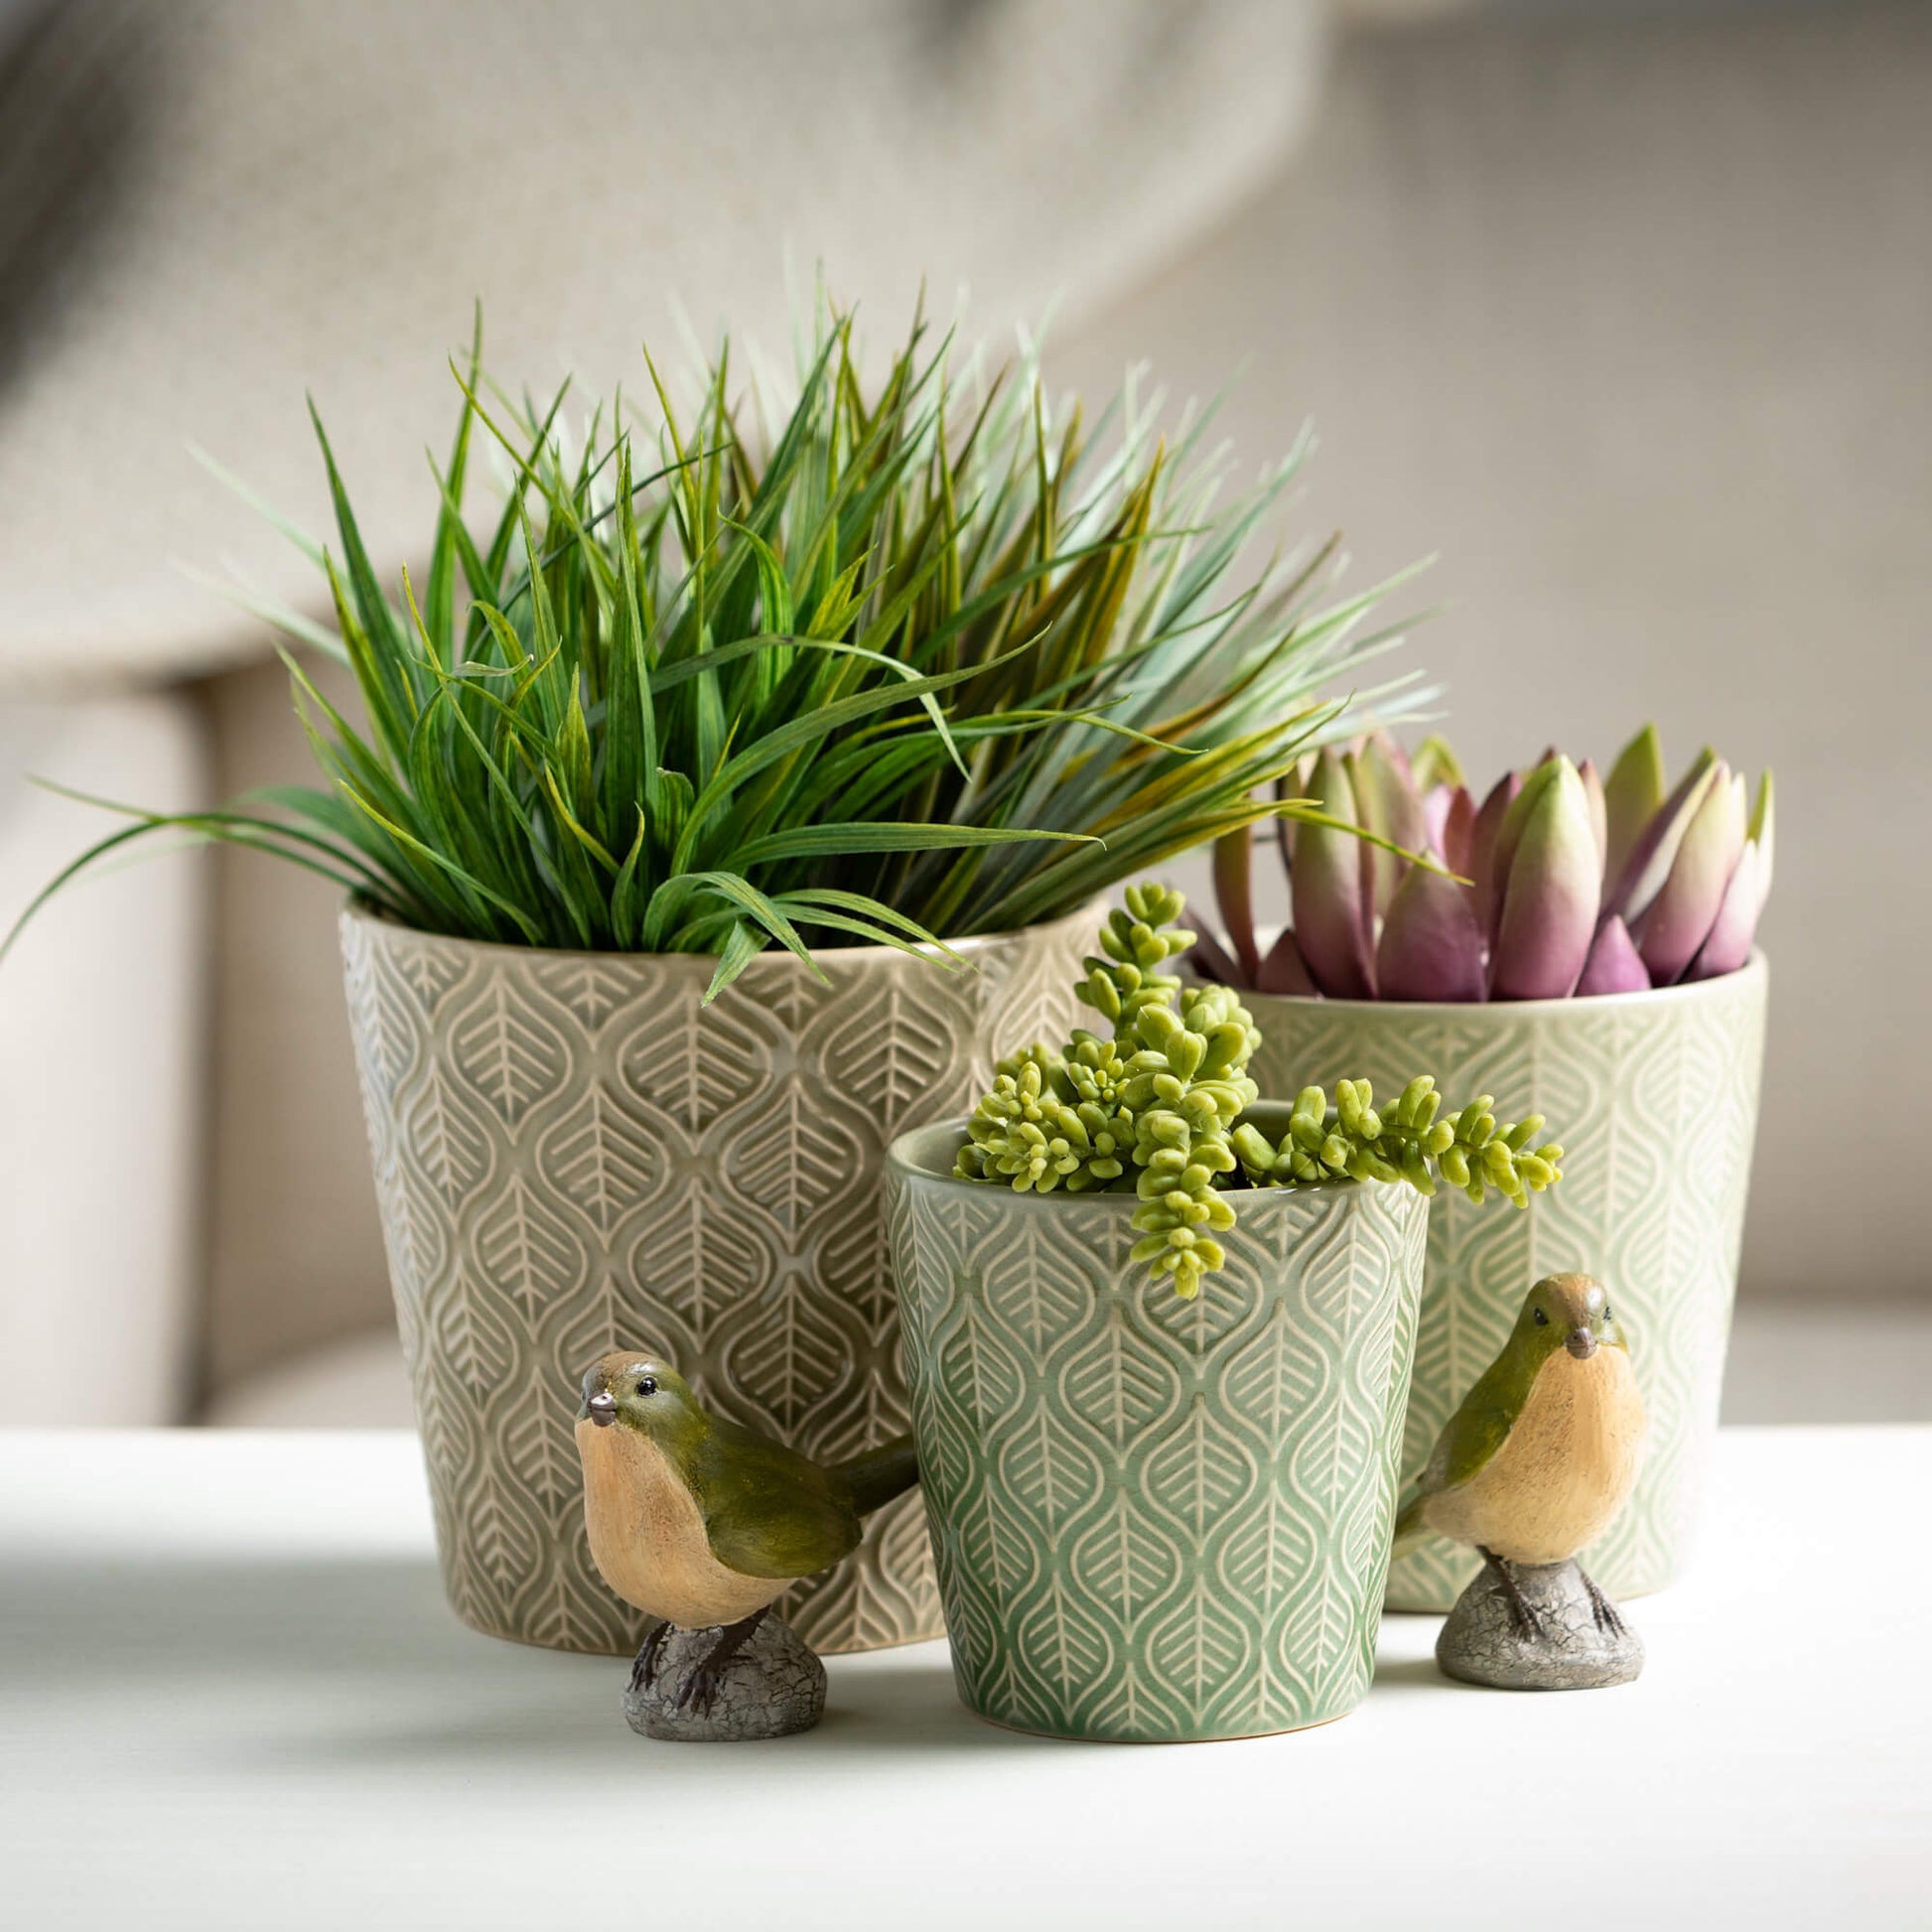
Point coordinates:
pixel 1156 1520
pixel 1654 1098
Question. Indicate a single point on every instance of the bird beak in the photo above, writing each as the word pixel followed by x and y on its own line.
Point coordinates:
pixel 602 1409
pixel 1582 1344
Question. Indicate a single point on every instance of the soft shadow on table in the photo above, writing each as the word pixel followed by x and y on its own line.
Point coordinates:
pixel 394 1677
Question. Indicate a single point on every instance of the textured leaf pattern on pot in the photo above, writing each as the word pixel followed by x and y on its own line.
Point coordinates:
pixel 572 1153
pixel 1657 1093
pixel 1158 1518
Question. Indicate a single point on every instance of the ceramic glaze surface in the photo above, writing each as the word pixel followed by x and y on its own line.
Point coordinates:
pixel 1654 1098
pixel 1155 1519
pixel 571 1155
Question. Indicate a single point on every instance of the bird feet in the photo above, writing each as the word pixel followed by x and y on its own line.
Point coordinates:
pixel 1610 1619
pixel 644 1673
pixel 700 1687
pixel 1523 1616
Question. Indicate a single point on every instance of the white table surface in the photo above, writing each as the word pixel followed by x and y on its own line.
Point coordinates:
pixel 230 1695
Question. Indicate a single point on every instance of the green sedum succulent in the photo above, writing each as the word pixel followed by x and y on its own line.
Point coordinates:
pixel 1350 1141
pixel 1155 1106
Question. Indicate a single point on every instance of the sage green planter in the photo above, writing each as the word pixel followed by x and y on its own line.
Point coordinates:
pixel 1155 1520
pixel 1654 1098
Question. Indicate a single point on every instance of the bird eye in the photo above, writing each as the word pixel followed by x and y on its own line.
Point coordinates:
pixel 1542 1319
pixel 1607 1315
pixel 647 1386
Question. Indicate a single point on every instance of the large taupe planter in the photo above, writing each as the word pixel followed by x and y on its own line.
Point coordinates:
pixel 1157 1520
pixel 1654 1097
pixel 571 1155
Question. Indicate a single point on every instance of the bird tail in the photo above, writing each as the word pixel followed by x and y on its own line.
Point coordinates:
pixel 1410 1529
pixel 882 1473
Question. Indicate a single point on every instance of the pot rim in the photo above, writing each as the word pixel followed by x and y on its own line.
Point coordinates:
pixel 901 1161
pixel 1755 967
pixel 364 912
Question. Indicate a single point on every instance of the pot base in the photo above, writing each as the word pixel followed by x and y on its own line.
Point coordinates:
pixel 1205 1738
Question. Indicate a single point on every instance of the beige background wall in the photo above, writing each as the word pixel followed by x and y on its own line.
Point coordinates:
pixel 1633 325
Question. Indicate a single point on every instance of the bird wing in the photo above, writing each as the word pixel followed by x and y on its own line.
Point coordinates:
pixel 1475 1434
pixel 768 1512
pixel 1482 1425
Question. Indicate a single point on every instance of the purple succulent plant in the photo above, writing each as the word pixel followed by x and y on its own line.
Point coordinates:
pixel 1566 884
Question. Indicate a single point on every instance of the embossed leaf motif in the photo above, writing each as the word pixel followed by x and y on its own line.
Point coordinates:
pixel 537 1432
pixel 526 1229
pixel 694 1064
pixel 1039 1291
pixel 426 969
pixel 600 1159
pixel 529 1252
pixel 1124 1562
pixel 1203 1648
pixel 696 1265
pixel 1050 1471
pixel 893 1063
pixel 1125 1547
pixel 1200 1472
pixel 1114 1385
pixel 1269 1551
pixel 798 1158
pixel 855 1263
pixel 471 1337
pixel 506 1054
pixel 590 989
pixel 451 1151
pixel 1659 1219
pixel 789 1359
pixel 979 1374
pixel 1063 1645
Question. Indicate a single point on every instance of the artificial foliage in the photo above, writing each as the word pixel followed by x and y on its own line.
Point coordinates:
pixel 1155 1107
pixel 1560 884
pixel 1149 1106
pixel 1347 1138
pixel 894 660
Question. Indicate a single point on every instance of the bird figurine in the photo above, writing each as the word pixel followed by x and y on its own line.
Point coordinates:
pixel 704 1524
pixel 1541 1456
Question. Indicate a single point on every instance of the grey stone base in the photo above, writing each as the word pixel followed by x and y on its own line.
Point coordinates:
pixel 1481 1642
pixel 774 1686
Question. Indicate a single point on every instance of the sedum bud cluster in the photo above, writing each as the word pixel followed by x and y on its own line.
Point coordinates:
pixel 1149 1106
pixel 1152 1107
pixel 1349 1140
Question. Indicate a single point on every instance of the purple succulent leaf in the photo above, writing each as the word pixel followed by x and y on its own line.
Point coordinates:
pixel 1482 845
pixel 1459 832
pixel 1599 811
pixel 1283 969
pixel 1435 816
pixel 1331 923
pixel 1234 893
pixel 1633 794
pixel 1655 851
pixel 1509 834
pixel 1435 764
pixel 1764 835
pixel 1550 892
pixel 1729 943
pixel 1614 965
pixel 1386 803
pixel 1212 961
pixel 1293 784
pixel 1432 945
pixel 1680 918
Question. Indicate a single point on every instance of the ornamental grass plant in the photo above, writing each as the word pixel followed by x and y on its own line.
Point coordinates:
pixel 899 661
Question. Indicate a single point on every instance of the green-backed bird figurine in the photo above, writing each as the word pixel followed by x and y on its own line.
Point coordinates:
pixel 702 1523
pixel 1541 1456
